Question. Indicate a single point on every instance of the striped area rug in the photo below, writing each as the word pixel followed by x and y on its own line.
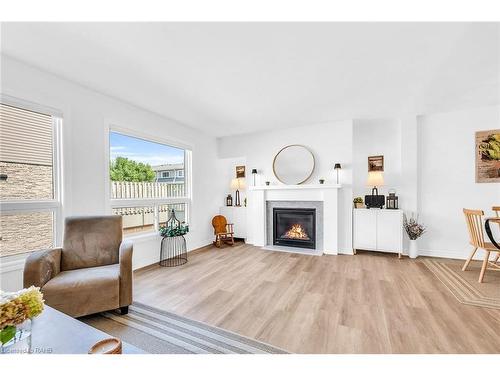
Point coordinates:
pixel 157 331
pixel 464 285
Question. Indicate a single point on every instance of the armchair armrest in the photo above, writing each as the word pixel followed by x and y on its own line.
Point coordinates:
pixel 125 260
pixel 41 266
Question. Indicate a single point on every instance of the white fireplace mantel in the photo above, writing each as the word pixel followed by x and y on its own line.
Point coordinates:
pixel 260 195
pixel 294 187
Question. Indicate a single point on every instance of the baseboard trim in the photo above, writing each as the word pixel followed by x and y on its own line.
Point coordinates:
pixel 449 254
pixel 155 264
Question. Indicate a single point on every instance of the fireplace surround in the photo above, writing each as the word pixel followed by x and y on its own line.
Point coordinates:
pixel 321 197
pixel 294 227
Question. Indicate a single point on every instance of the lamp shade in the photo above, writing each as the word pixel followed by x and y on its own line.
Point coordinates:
pixel 375 179
pixel 237 183
pixel 337 166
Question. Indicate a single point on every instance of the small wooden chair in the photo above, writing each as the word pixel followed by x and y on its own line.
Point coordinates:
pixel 223 231
pixel 474 220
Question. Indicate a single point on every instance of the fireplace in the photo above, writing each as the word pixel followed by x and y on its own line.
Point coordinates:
pixel 295 227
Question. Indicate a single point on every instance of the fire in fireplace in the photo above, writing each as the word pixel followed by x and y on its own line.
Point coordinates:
pixel 294 227
pixel 297 231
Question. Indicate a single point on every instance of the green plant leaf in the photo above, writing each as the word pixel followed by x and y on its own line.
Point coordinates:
pixel 7 334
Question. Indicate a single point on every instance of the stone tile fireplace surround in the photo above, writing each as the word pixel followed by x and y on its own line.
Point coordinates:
pixel 322 198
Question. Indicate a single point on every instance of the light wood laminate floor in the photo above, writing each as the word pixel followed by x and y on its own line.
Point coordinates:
pixel 367 303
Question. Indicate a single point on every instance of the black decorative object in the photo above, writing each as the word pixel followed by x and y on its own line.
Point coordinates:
pixel 375 200
pixel 229 200
pixel 392 200
pixel 336 168
pixel 254 173
pixel 3 177
pixel 173 250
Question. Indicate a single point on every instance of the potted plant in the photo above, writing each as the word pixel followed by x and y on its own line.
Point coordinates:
pixel 16 311
pixel 414 229
pixel 358 202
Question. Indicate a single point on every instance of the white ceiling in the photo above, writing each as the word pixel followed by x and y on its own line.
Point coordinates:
pixel 233 78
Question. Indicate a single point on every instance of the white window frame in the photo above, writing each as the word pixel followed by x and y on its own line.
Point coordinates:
pixel 148 202
pixel 54 205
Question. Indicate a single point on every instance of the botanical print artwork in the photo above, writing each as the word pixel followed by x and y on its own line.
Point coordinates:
pixel 376 163
pixel 240 171
pixel 488 156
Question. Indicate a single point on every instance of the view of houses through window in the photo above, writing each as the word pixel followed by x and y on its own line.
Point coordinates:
pixel 29 203
pixel 147 182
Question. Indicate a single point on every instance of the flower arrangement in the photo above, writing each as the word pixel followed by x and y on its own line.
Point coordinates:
pixel 174 231
pixel 412 227
pixel 17 307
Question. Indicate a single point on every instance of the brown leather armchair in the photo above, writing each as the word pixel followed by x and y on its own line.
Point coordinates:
pixel 91 273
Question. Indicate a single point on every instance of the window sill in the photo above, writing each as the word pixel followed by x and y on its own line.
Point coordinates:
pixel 143 237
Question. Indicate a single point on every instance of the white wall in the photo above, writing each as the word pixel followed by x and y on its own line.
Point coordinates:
pixel 330 143
pixel 371 138
pixel 226 171
pixel 447 178
pixel 87 115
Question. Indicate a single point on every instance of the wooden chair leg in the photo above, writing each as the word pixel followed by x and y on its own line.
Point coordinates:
pixel 496 258
pixel 469 259
pixel 483 268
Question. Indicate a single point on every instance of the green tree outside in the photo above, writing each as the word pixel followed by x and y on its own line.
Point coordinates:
pixel 124 169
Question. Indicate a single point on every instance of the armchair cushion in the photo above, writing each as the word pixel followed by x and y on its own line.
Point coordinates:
pixel 91 241
pixel 84 291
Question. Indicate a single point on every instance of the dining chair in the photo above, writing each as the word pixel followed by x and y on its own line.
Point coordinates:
pixel 474 220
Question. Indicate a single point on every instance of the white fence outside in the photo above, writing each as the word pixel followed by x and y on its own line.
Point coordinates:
pixel 138 190
pixel 137 219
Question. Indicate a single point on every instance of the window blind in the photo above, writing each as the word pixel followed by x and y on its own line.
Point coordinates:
pixel 25 136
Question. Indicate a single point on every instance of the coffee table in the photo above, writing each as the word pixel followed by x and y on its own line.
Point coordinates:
pixel 56 333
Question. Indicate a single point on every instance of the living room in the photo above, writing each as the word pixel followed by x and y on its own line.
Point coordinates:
pixel 265 188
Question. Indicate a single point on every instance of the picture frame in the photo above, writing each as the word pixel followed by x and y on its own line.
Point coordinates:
pixel 240 171
pixel 376 163
pixel 487 156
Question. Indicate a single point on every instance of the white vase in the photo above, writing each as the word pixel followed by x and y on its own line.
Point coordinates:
pixel 413 251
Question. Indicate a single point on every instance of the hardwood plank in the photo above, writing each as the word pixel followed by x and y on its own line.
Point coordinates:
pixel 367 303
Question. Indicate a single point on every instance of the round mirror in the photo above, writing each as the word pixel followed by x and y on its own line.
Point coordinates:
pixel 293 165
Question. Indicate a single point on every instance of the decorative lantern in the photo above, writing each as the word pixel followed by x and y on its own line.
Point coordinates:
pixel 172 221
pixel 392 200
pixel 229 200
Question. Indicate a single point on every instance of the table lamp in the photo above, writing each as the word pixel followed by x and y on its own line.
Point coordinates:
pixel 336 168
pixel 237 184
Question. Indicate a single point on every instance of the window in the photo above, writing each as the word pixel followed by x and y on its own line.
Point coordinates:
pixel 180 173
pixel 138 192
pixel 30 174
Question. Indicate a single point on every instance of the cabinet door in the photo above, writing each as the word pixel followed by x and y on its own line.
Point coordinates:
pixel 365 229
pixel 389 231
pixel 240 221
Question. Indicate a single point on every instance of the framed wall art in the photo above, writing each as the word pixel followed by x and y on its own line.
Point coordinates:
pixel 376 163
pixel 240 171
pixel 488 156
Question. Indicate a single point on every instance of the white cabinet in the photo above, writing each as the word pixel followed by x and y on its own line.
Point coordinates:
pixel 378 229
pixel 238 217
